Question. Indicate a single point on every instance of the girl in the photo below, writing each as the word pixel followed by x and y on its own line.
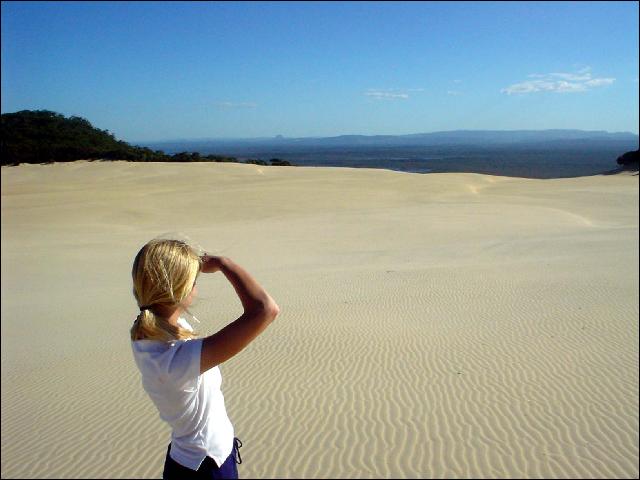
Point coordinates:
pixel 180 371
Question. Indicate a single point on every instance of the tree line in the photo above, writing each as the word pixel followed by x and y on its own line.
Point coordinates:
pixel 43 136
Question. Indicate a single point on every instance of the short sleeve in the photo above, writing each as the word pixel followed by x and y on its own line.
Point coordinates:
pixel 183 366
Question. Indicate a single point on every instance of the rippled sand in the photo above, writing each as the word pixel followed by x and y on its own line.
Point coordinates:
pixel 442 325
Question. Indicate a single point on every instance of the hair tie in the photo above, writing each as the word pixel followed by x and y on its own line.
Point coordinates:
pixel 145 307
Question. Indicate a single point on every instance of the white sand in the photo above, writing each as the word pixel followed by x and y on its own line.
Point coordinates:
pixel 442 325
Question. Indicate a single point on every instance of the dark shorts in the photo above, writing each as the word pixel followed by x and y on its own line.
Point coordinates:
pixel 208 468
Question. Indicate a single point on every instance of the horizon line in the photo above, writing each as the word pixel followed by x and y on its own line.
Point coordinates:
pixel 314 137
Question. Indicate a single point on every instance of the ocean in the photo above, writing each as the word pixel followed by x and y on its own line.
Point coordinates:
pixel 533 161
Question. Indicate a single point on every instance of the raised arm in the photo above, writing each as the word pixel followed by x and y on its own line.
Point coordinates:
pixel 259 311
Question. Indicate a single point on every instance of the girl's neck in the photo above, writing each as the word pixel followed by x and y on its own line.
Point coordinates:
pixel 173 319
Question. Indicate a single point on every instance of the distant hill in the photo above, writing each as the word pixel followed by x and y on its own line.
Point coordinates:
pixel 556 138
pixel 473 137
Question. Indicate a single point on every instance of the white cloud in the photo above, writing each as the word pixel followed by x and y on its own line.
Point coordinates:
pixel 572 77
pixel 596 82
pixel 236 104
pixel 386 94
pixel 453 92
pixel 580 81
pixel 457 81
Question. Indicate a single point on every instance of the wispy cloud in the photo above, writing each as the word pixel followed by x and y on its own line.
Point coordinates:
pixel 390 94
pixel 580 76
pixel 236 104
pixel 598 82
pixel 454 93
pixel 580 81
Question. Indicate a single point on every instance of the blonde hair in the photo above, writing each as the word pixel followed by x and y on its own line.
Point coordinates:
pixel 164 272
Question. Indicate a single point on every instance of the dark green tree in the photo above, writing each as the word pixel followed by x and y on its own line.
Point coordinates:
pixel 43 136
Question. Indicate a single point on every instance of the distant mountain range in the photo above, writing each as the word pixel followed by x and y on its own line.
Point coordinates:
pixel 521 153
pixel 447 138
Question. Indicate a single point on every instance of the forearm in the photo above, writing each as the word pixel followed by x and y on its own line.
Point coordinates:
pixel 251 294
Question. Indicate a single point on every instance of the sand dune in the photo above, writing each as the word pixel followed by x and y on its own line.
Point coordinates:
pixel 442 325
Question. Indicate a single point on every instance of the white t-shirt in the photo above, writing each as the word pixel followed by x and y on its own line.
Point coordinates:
pixel 192 404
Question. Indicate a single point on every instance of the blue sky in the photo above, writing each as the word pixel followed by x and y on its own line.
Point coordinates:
pixel 150 71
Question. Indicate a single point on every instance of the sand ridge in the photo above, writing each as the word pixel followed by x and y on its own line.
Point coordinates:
pixel 441 325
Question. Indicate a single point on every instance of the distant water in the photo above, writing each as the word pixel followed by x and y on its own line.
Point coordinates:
pixel 519 161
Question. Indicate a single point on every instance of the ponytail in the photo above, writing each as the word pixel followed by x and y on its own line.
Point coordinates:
pixel 149 326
